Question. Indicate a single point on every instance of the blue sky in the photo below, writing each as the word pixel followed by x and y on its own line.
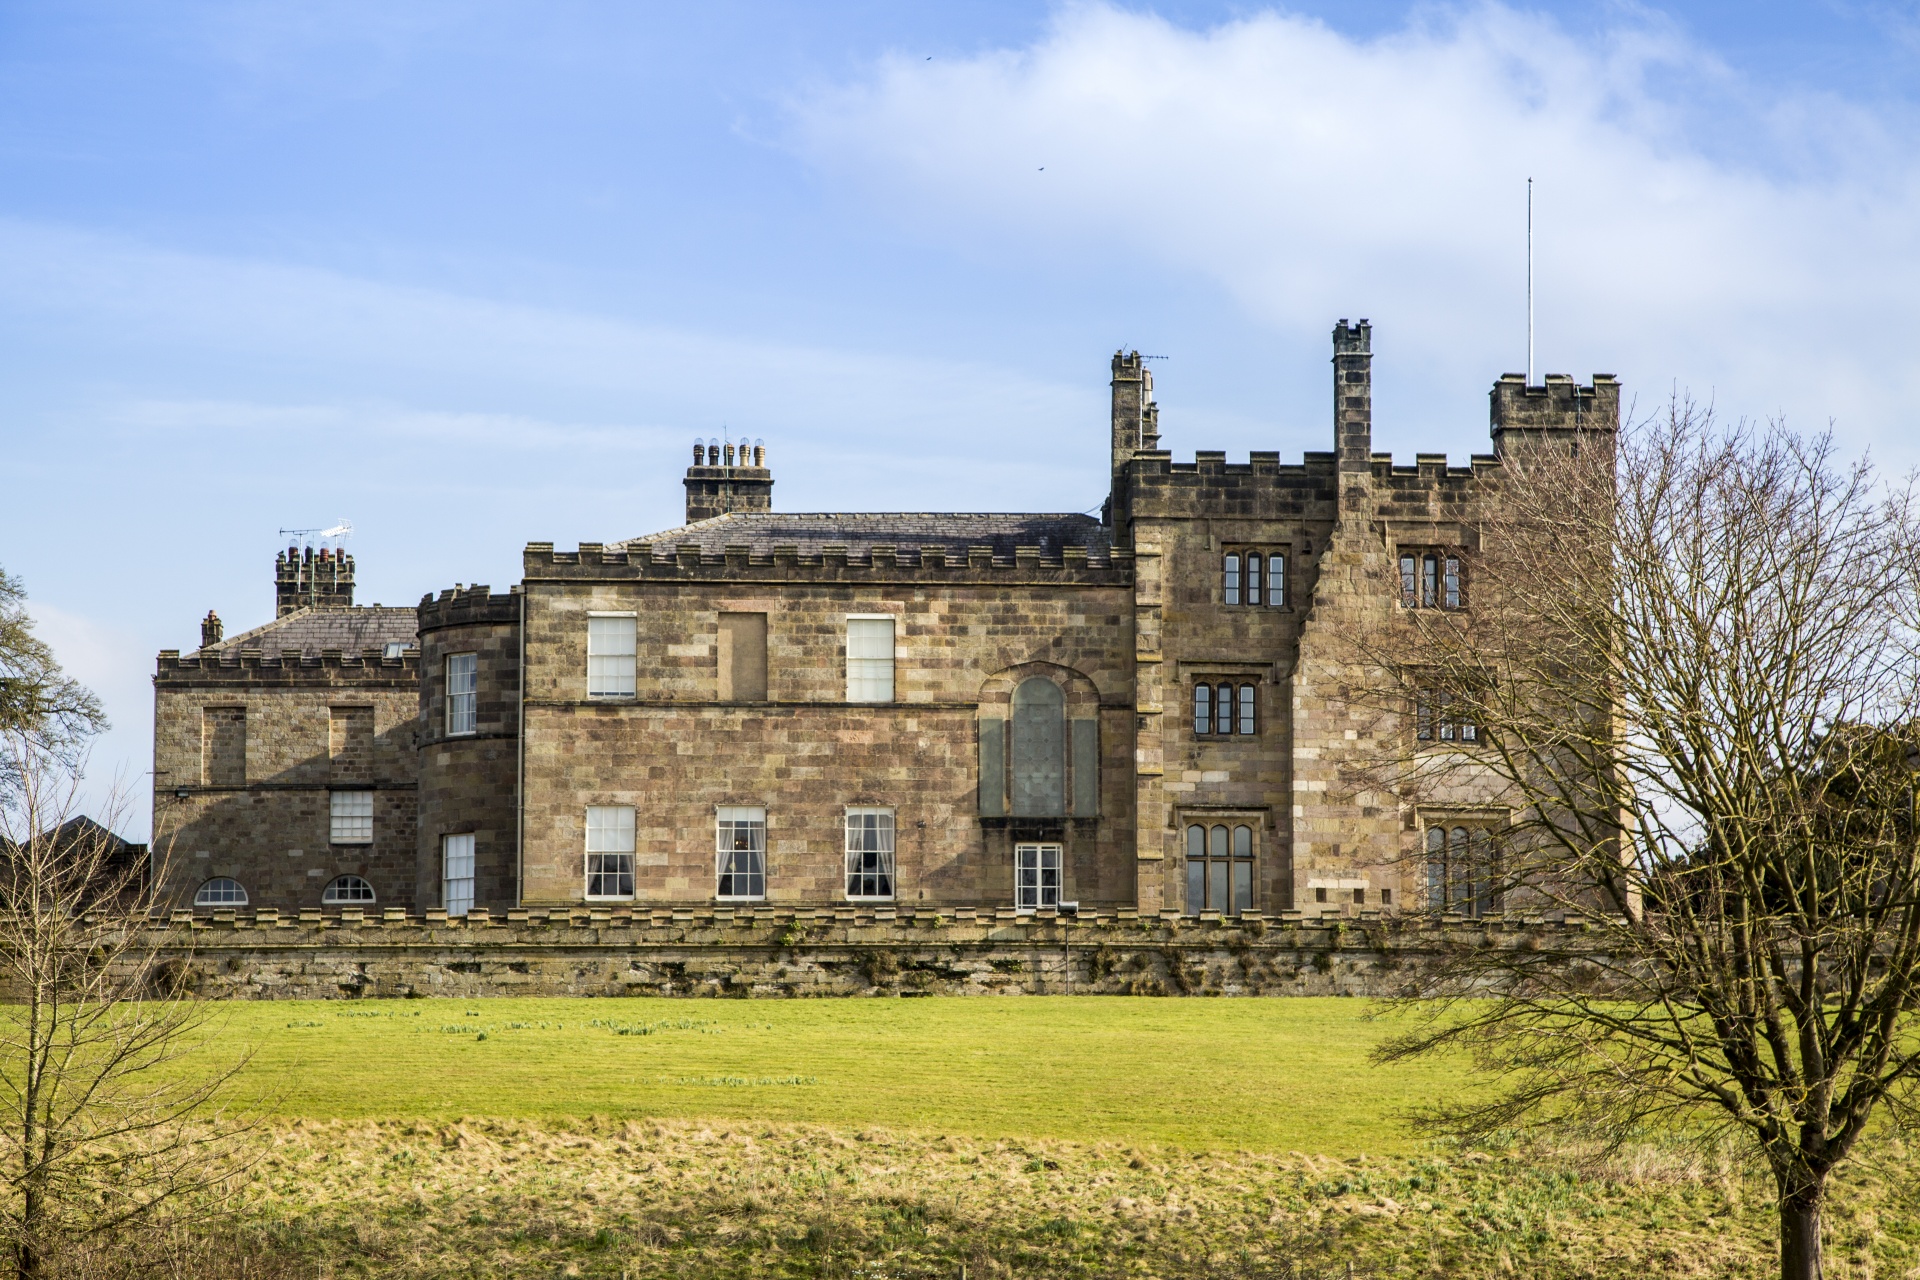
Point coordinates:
pixel 473 275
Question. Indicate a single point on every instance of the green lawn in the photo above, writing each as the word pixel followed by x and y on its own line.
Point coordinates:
pixel 1252 1074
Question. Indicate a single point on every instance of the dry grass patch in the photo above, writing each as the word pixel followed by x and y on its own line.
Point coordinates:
pixel 687 1198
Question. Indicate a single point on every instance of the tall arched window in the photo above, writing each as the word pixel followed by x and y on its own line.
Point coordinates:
pixel 1039 749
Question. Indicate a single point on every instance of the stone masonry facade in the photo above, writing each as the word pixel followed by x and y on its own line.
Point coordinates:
pixel 1149 712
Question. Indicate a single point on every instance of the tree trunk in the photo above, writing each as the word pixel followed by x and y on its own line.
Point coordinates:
pixel 1800 1234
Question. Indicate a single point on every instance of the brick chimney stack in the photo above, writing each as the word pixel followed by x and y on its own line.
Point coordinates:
pixel 728 478
pixel 307 579
pixel 211 629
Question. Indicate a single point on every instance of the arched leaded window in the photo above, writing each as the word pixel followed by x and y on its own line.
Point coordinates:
pixel 220 892
pixel 347 891
pixel 1039 749
pixel 1045 763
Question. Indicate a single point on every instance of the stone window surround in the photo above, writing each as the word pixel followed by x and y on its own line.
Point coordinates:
pixel 1236 585
pixel 631 679
pixel 1488 822
pixel 1256 820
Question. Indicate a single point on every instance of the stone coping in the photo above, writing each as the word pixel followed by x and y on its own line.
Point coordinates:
pixel 918 921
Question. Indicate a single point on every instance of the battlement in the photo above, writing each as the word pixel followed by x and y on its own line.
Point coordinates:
pixel 305 578
pixel 788 563
pixel 463 606
pixel 369 668
pixel 1557 404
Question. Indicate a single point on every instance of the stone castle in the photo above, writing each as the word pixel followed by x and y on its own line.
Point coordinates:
pixel 1043 713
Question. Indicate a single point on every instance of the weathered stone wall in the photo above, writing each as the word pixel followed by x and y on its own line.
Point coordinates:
pixel 770 952
pixel 470 783
pixel 306 727
pixel 675 751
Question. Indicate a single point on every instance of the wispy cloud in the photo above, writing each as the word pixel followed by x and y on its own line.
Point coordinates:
pixel 1764 252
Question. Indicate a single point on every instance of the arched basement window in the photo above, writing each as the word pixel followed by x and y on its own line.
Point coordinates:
pixel 347 889
pixel 220 892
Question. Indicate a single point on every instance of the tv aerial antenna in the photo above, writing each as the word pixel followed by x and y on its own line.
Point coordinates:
pixel 334 534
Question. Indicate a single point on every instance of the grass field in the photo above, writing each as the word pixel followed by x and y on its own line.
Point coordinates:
pixel 926 1139
pixel 1258 1075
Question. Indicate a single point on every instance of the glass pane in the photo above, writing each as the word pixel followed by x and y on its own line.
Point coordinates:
pixel 1253 579
pixel 1217 886
pixel 1233 579
pixel 1196 842
pixel 1429 581
pixel 1246 710
pixel 1243 842
pixel 1196 885
pixel 1218 841
pixel 1276 581
pixel 1242 887
pixel 1406 581
pixel 1039 749
pixel 1453 582
pixel 1203 708
pixel 869 659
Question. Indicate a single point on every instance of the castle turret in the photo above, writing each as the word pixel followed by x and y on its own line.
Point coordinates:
pixel 727 478
pixel 1558 412
pixel 1136 419
pixel 309 579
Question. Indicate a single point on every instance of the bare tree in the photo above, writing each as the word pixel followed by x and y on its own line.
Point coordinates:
pixel 40 705
pixel 1690 671
pixel 108 1078
pixel 110 1081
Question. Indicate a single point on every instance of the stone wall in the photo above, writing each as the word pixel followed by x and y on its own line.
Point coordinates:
pixel 785 953
pixel 676 750
pixel 469 784
pixel 247 753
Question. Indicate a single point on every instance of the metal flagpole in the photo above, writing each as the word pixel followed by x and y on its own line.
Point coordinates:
pixel 1529 281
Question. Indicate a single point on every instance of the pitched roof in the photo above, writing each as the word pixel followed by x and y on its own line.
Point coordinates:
pixel 313 630
pixel 860 532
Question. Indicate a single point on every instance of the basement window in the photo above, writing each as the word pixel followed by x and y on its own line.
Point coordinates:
pixel 220 892
pixel 347 891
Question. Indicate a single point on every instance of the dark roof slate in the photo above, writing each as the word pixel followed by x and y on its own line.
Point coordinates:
pixel 860 532
pixel 313 630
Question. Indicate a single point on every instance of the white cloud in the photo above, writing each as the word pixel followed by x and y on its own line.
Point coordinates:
pixel 1761 250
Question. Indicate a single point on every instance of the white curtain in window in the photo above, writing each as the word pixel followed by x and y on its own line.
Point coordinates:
pixel 869 853
pixel 869 659
pixel 456 883
pixel 740 839
pixel 610 650
pixel 609 851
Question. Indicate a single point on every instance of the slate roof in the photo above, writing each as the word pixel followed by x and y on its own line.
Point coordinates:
pixel 311 630
pixel 860 532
